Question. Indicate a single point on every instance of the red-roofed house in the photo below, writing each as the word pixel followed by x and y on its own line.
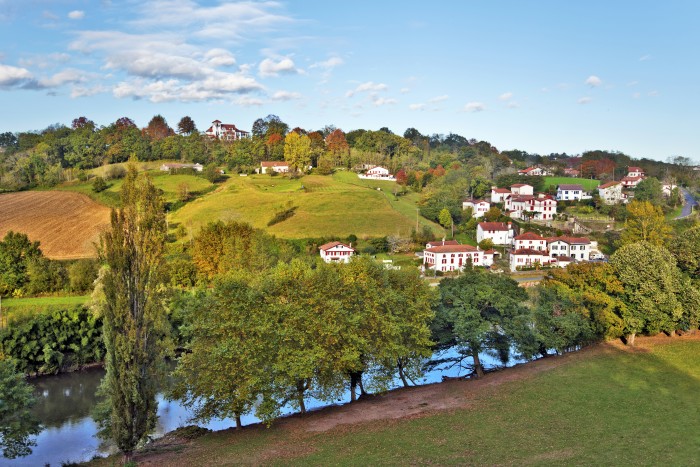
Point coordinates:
pixel 337 252
pixel 499 232
pixel 578 248
pixel 635 172
pixel 455 257
pixel 479 207
pixel 526 258
pixel 569 192
pixel 529 241
pixel 276 166
pixel 499 195
pixel 225 131
pixel 378 173
pixel 522 189
pixel 441 243
pixel 534 171
pixel 611 193
pixel 540 207
pixel 631 182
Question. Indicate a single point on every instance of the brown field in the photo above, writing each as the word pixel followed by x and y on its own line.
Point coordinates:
pixel 66 224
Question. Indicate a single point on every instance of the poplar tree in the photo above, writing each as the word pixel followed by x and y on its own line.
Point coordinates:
pixel 134 318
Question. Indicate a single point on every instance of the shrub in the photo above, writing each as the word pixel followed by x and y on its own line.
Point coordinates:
pixel 282 216
pixel 114 172
pixel 99 184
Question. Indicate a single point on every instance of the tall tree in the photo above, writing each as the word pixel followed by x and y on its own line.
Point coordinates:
pixel 650 190
pixel 158 128
pixel 645 223
pixel 186 126
pixel 17 424
pixel 297 151
pixel 16 251
pixel 134 317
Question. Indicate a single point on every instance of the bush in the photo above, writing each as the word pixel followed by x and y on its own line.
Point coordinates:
pixel 114 172
pixel 99 184
pixel 82 275
pixel 282 216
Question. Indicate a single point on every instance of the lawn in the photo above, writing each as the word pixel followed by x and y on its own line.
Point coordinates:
pixel 603 406
pixel 326 206
pixel 12 307
pixel 588 184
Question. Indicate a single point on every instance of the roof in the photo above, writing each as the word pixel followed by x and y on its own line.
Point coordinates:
pixel 571 187
pixel 529 236
pixel 634 169
pixel 631 179
pixel 443 242
pixel 522 198
pixel 563 259
pixel 453 249
pixel 529 251
pixel 476 201
pixel 500 190
pixel 329 245
pixel 608 185
pixel 529 169
pixel 518 185
pixel 493 226
pixel 570 240
pixel 216 121
pixel 274 164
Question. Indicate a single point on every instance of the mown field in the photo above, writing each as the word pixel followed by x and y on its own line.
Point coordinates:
pixel 12 307
pixel 606 405
pixel 67 224
pixel 587 183
pixel 324 206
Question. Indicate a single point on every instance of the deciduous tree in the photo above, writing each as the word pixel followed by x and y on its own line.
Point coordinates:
pixel 17 424
pixel 297 151
pixel 645 223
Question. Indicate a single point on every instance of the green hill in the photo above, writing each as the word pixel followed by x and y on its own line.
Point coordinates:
pixel 587 183
pixel 323 206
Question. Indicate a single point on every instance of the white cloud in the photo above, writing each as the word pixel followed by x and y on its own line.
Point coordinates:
pixel 270 67
pixel 369 86
pixel 404 90
pixel 81 91
pixel 437 99
pixel 644 58
pixel 219 57
pixel 76 14
pixel 285 96
pixel 328 64
pixel 593 81
pixel 474 107
pixel 636 95
pixel 11 76
pixel 248 101
pixel 506 96
pixel 513 105
pixel 584 100
pixel 66 76
pixel 417 106
pixel 379 101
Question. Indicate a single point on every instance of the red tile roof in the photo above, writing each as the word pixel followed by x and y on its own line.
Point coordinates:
pixel 493 226
pixel 442 243
pixel 609 184
pixel 528 251
pixel 500 190
pixel 570 240
pixel 529 236
pixel 571 187
pixel 329 245
pixel 453 249
pixel 518 185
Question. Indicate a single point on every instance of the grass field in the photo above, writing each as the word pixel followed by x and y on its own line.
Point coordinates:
pixel 325 206
pixel 66 224
pixel 20 306
pixel 606 405
pixel 587 183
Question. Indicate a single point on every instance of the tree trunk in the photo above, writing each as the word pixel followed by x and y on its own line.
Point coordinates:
pixel 301 387
pixel 630 339
pixel 238 421
pixel 353 386
pixel 399 364
pixel 477 366
pixel 128 456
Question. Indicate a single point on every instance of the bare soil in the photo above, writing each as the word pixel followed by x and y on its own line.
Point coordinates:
pixel 66 224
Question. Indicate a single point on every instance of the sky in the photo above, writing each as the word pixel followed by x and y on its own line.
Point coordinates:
pixel 539 76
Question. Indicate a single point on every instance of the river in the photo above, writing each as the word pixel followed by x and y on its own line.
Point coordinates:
pixel 64 404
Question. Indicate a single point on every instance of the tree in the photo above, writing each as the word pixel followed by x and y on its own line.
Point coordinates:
pixel 186 126
pixel 493 214
pixel 158 128
pixel 99 184
pixel 17 424
pixel 645 223
pixel 134 317
pixel 686 248
pixel 16 251
pixel 8 140
pixel 446 221
pixel 336 143
pixel 297 151
pixel 650 190
pixel 82 122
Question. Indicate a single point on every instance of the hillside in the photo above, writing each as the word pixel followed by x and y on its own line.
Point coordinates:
pixel 605 405
pixel 325 206
pixel 67 224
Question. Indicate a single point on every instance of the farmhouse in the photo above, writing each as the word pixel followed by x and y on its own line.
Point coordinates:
pixel 479 207
pixel 631 182
pixel 534 171
pixel 275 166
pixel 611 193
pixel 455 257
pixel 442 242
pixel 498 232
pixel 378 173
pixel 499 195
pixel 578 248
pixel 336 252
pixel 529 241
pixel 225 131
pixel 167 167
pixel 635 172
pixel 522 189
pixel 540 207
pixel 568 192
pixel 527 258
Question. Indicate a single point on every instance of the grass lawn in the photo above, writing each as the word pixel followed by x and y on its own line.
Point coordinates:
pixel 603 406
pixel 326 206
pixel 12 307
pixel 587 183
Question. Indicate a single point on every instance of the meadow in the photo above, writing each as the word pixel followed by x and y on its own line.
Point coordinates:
pixel 14 307
pixel 588 184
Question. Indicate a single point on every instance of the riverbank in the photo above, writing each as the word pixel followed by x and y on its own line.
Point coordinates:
pixel 585 407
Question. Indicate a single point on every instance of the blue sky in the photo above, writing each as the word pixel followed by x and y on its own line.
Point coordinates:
pixel 541 76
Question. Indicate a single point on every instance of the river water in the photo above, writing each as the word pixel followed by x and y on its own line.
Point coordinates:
pixel 64 404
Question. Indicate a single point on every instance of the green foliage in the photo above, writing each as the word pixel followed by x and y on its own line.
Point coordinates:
pixel 297 151
pixel 445 218
pixel 686 249
pixel 99 184
pixel 16 252
pixel 17 424
pixel 645 223
pixel 82 274
pixel 650 190
pixel 282 216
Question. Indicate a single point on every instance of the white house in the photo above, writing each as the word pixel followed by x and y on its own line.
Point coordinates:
pixel 225 131
pixel 378 173
pixel 529 241
pixel 568 192
pixel 441 243
pixel 521 189
pixel 275 166
pixel 578 248
pixel 540 207
pixel 611 193
pixel 526 258
pixel 667 189
pixel 631 182
pixel 336 252
pixel 455 257
pixel 499 232
pixel 534 171
pixel 168 166
pixel 635 172
pixel 499 195
pixel 479 207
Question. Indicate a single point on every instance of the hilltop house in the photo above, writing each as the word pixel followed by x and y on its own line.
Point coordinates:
pixel 568 192
pixel 451 257
pixel 611 193
pixel 540 207
pixel 498 232
pixel 281 167
pixel 225 131
pixel 529 241
pixel 534 171
pixel 479 207
pixel 337 252
pixel 635 172
pixel 168 166
pixel 378 173
pixel 633 177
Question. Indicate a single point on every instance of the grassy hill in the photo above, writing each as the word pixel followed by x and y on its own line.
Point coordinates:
pixel 324 206
pixel 606 405
pixel 587 183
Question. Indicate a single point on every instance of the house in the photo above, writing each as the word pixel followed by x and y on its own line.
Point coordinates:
pixel 447 258
pixel 561 261
pixel 527 207
pixel 578 248
pixel 570 172
pixel 534 171
pixel 498 232
pixel 568 192
pixel 499 195
pixel 167 167
pixel 635 172
pixel 378 173
pixel 631 182
pixel 441 243
pixel 275 166
pixel 225 131
pixel 611 193
pixel 336 252
pixel 667 189
pixel 526 258
pixel 521 189
pixel 529 241
pixel 479 207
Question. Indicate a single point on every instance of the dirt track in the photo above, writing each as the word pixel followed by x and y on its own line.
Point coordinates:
pixel 67 224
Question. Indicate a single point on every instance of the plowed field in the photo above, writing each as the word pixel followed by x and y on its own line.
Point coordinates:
pixel 67 224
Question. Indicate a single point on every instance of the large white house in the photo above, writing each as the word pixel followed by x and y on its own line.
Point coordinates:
pixel 281 167
pixel 578 248
pixel 499 195
pixel 225 131
pixel 447 258
pixel 528 258
pixel 522 189
pixel 526 207
pixel 479 207
pixel 611 193
pixel 378 173
pixel 635 172
pixel 499 233
pixel 337 252
pixel 168 166
pixel 529 241
pixel 569 192
pixel 534 171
